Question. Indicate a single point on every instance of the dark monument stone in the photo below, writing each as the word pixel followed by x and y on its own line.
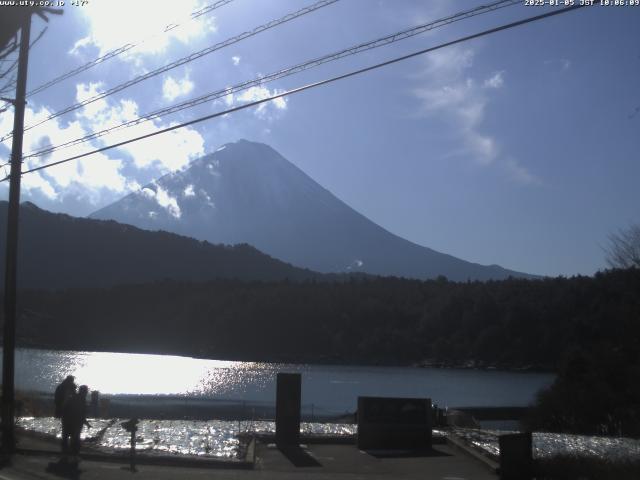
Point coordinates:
pixel 394 423
pixel 516 461
pixel 288 402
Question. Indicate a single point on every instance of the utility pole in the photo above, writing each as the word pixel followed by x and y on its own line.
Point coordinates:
pixel 9 347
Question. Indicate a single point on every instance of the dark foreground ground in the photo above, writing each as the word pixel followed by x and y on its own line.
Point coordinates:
pixel 40 460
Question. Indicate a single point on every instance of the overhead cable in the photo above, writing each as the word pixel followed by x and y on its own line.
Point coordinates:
pixel 221 93
pixel 182 61
pixel 311 85
pixel 120 50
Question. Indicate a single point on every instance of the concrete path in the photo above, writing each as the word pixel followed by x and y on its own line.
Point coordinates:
pixel 313 462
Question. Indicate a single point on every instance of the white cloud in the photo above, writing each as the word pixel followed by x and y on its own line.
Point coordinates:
pixel 98 178
pixel 260 93
pixel 85 92
pixel 236 60
pixel 463 105
pixel 162 198
pixel 442 97
pixel 172 88
pixel 267 110
pixel 254 94
pixel 169 151
pixel 148 192
pixel 443 65
pixel 79 45
pixel 34 181
pixel 495 81
pixel 169 203
pixel 116 22
pixel 229 100
pixel 484 146
pixel 448 93
pixel 97 172
pixel 188 191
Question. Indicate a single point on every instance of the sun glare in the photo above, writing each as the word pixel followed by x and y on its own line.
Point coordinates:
pixel 142 374
pixel 113 23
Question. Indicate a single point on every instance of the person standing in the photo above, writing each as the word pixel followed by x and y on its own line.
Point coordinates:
pixel 74 417
pixel 63 392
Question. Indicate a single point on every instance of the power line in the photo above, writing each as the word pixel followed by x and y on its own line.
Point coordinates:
pixel 14 65
pixel 9 48
pixel 13 80
pixel 122 49
pixel 182 61
pixel 353 50
pixel 10 69
pixel 9 85
pixel 312 85
pixel 8 103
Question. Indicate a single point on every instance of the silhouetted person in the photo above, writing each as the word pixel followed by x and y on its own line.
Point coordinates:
pixel 74 417
pixel 63 392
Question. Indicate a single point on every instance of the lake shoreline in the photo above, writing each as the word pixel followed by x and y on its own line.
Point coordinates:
pixel 321 361
pixel 171 407
pixel 206 386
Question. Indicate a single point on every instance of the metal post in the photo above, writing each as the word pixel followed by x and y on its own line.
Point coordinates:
pixel 8 353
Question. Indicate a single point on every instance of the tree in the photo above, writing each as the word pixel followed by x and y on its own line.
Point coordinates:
pixel 624 248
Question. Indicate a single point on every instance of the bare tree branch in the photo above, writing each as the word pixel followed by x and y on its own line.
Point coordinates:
pixel 624 248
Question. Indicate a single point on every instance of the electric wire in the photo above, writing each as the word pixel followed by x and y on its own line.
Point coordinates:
pixel 353 50
pixel 10 69
pixel 14 65
pixel 7 103
pixel 189 58
pixel 313 85
pixel 9 48
pixel 8 86
pixel 13 80
pixel 120 50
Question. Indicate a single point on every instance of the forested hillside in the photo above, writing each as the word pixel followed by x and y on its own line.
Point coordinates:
pixel 60 251
pixel 510 323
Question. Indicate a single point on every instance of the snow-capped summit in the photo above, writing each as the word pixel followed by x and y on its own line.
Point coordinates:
pixel 246 192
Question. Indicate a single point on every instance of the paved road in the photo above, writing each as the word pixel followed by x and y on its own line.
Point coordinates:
pixel 319 462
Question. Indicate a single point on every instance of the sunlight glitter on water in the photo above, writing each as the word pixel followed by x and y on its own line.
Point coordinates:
pixel 549 444
pixel 147 374
pixel 118 373
pixel 219 438
pixel 211 438
pixel 327 390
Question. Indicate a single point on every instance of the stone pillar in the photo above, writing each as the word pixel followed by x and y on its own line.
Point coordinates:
pixel 394 423
pixel 516 457
pixel 288 403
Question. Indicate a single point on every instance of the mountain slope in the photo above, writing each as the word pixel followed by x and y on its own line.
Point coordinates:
pixel 60 251
pixel 246 192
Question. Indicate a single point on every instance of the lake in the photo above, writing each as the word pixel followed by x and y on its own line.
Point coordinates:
pixel 326 389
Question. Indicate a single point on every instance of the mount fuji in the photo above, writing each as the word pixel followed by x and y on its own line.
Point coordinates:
pixel 246 192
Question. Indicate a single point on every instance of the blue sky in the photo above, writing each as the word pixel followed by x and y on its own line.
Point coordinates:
pixel 520 148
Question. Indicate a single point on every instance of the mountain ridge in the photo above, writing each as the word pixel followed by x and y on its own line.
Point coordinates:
pixel 246 192
pixel 59 251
